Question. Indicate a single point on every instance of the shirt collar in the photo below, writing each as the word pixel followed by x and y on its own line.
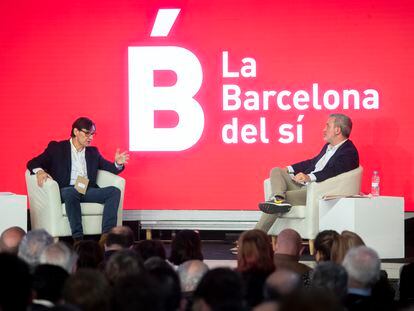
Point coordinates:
pixel 330 147
pixel 74 148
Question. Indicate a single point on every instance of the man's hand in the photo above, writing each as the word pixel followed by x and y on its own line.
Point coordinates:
pixel 41 177
pixel 121 158
pixel 301 178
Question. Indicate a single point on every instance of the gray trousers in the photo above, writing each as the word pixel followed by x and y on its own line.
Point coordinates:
pixel 282 185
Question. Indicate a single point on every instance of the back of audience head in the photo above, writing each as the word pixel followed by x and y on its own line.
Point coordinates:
pixel 186 245
pixel 311 299
pixel 60 255
pixel 90 254
pixel 137 291
pixel 122 263
pixel 281 283
pixel 10 240
pixel 255 252
pixel 87 289
pixel 16 283
pixel 33 244
pixel 331 276
pixel 363 266
pixel 168 282
pixel 219 289
pixel 150 248
pixel 289 242
pixel 120 237
pixel 326 242
pixel 190 273
pixel 48 282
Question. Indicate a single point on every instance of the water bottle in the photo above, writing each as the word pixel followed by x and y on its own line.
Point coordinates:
pixel 375 184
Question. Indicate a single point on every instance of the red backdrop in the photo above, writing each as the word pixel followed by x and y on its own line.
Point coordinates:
pixel 60 60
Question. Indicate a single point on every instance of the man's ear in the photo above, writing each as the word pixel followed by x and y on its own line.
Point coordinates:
pixel 301 250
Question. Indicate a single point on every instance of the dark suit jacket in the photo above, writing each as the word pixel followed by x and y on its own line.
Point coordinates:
pixel 345 159
pixel 56 160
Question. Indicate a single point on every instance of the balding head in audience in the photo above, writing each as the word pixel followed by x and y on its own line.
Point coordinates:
pixel 120 237
pixel 289 242
pixel 10 240
pixel 190 273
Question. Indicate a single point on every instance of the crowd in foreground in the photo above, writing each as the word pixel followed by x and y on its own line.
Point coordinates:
pixel 38 273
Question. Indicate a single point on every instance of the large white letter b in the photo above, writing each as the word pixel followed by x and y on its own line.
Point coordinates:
pixel 145 98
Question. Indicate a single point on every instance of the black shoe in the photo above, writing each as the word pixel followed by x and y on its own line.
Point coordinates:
pixel 275 206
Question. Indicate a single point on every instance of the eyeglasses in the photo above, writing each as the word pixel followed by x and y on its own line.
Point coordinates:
pixel 88 133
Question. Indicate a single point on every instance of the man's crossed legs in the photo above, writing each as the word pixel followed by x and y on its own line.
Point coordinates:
pixel 285 190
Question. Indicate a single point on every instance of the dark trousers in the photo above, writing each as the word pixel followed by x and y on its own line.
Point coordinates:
pixel 109 196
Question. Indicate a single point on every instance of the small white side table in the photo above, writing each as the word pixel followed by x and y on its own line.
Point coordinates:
pixel 13 211
pixel 378 220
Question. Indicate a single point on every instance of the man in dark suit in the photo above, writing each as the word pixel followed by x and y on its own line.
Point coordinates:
pixel 288 184
pixel 74 165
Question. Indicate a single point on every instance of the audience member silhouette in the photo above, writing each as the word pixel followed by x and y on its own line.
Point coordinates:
pixel 255 263
pixel 88 289
pixel 220 289
pixel 48 282
pixel 150 248
pixel 186 245
pixel 90 254
pixel 15 284
pixel 122 263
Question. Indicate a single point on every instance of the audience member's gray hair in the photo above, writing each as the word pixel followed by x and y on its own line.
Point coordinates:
pixel 343 122
pixel 33 244
pixel 59 254
pixel 363 265
pixel 190 274
pixel 331 276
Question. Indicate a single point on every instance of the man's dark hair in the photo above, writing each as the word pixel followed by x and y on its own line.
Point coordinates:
pixel 48 281
pixel 168 282
pixel 150 248
pixel 137 291
pixel 82 123
pixel 87 289
pixel 15 284
pixel 122 263
pixel 123 240
pixel 186 245
pixel 90 254
pixel 221 289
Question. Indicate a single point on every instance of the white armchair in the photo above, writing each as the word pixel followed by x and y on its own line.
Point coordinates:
pixel 305 218
pixel 49 213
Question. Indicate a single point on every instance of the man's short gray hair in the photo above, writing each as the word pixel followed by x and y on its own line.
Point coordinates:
pixel 363 265
pixel 59 254
pixel 343 122
pixel 33 244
